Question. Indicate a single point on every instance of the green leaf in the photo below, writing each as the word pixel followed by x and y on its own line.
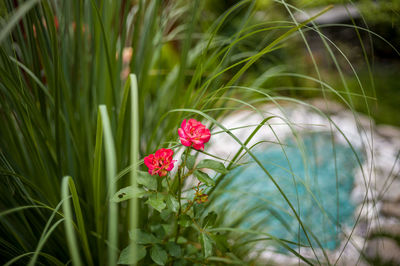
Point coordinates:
pixel 158 230
pixel 128 193
pixel 165 214
pixel 190 160
pixel 164 183
pixel 168 228
pixel 203 177
pixel 158 255
pixel 191 249
pixel 210 219
pixel 174 249
pixel 172 203
pixel 126 257
pixel 185 220
pixel 181 240
pixel 213 165
pixel 206 245
pixel 142 237
pixel 147 180
pixel 157 202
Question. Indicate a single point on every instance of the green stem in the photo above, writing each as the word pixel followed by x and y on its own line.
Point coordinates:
pixel 188 207
pixel 180 206
pixel 181 169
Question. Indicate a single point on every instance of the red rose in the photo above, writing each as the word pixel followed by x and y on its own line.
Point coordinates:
pixel 161 162
pixel 194 133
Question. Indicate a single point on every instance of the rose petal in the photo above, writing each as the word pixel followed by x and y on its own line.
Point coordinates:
pixel 198 146
pixel 186 142
pixel 148 161
pixel 170 167
pixel 182 133
pixel 183 125
pixel 197 141
pixel 169 153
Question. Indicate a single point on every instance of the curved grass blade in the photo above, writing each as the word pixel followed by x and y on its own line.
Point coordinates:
pixel 46 233
pixel 43 240
pixel 51 258
pixel 284 243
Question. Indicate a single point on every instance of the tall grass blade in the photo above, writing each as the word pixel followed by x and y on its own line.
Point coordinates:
pixel 110 155
pixel 134 158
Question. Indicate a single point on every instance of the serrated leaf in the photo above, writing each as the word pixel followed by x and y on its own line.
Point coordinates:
pixel 174 249
pixel 128 193
pixel 158 255
pixel 147 180
pixel 206 245
pixel 142 237
pixel 210 219
pixel 172 203
pixel 190 160
pixel 203 177
pixel 213 165
pixel 157 202
pixel 126 257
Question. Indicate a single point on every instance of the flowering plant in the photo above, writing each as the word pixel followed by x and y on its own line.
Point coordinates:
pixel 181 234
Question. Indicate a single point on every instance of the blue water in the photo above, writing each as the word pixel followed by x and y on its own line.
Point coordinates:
pixel 319 191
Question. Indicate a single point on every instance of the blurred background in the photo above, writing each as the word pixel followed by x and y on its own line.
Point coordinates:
pixel 378 17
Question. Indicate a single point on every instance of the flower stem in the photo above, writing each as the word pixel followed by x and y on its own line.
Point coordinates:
pixel 181 171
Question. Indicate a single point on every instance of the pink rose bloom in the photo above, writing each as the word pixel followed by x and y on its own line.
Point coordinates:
pixel 160 163
pixel 194 133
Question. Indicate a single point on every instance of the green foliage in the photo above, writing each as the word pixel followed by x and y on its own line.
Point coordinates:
pixel 213 165
pixel 143 238
pixel 126 256
pixel 129 193
pixel 157 202
pixel 148 181
pixel 203 177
